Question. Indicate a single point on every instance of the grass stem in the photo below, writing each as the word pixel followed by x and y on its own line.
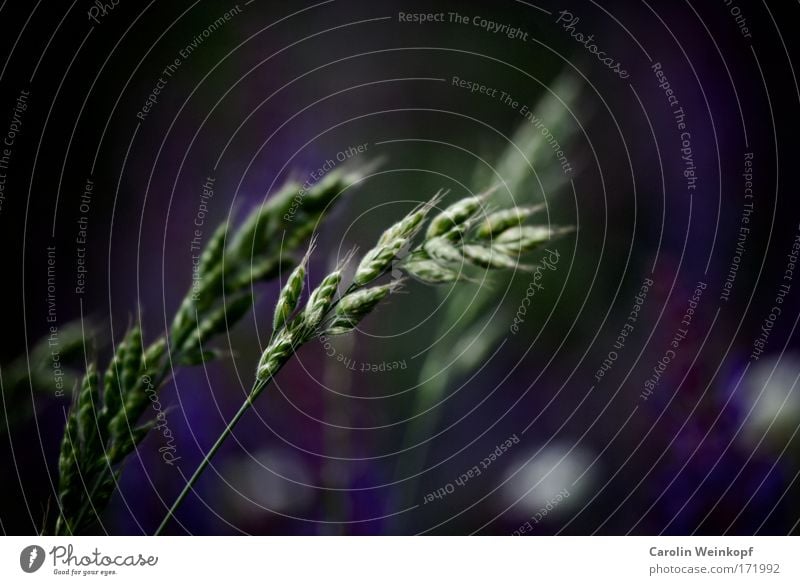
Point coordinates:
pixel 257 387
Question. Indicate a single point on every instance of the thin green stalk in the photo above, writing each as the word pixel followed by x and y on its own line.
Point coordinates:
pixel 257 388
pixel 259 385
pixel 326 312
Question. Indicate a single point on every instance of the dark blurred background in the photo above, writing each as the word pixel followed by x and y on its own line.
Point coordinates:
pixel 280 88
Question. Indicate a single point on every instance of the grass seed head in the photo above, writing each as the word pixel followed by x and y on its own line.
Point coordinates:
pixel 487 257
pixel 529 237
pixel 454 215
pixel 353 307
pixel 277 353
pixel 220 320
pixel 214 250
pixel 132 363
pixel 499 221
pixel 290 294
pixel 429 271
pixel 443 250
pixel 88 407
pixel 320 300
